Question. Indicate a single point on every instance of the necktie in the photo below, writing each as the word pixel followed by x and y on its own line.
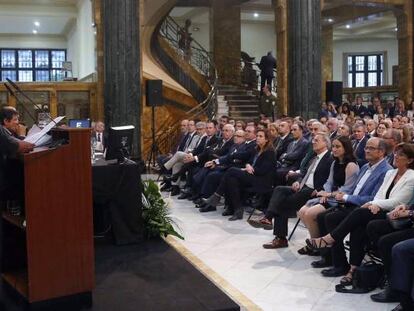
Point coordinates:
pixel 99 137
pixel 305 179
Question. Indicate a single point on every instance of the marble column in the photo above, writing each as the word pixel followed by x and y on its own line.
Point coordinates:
pixel 327 58
pixel 225 40
pixel 304 40
pixel 122 93
pixel 282 53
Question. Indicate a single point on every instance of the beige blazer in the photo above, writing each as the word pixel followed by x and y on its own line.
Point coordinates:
pixel 401 193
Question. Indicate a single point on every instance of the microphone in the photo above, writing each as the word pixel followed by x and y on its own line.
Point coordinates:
pixel 9 89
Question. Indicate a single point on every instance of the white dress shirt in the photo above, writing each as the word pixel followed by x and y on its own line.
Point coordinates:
pixel 309 181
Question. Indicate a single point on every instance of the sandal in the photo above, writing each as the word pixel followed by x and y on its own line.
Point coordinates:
pixel 347 279
pixel 308 251
pixel 317 244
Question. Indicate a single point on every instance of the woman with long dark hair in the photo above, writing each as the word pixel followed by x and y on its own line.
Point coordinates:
pixel 343 174
pixel 258 173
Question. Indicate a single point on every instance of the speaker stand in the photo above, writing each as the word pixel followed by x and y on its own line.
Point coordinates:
pixel 152 156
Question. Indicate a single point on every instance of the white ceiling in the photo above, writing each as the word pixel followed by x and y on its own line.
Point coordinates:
pixel 55 17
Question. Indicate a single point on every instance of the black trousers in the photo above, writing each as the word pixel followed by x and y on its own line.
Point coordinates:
pixel 231 186
pixel 284 204
pixel 267 81
pixel 327 222
pixel 383 237
pixel 355 224
pixel 402 272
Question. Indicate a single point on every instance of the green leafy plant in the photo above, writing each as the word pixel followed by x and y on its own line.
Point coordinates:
pixel 157 221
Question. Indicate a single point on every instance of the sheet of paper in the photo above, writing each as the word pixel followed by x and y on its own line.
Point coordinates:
pixel 34 139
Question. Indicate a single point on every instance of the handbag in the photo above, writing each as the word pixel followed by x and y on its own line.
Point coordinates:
pixel 366 278
pixel 400 223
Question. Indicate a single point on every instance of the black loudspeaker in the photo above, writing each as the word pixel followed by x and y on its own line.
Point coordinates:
pixel 334 92
pixel 154 93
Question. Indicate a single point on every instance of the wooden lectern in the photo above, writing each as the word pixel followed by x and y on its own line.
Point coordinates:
pixel 48 252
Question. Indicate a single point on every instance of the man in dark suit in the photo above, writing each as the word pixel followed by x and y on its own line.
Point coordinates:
pixel 287 200
pixel 267 65
pixel 359 109
pixel 10 146
pixel 290 161
pixel 359 142
pixel 285 139
pixel 242 151
pixel 221 149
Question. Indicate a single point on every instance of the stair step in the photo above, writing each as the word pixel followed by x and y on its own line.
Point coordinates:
pixel 243 109
pixel 232 92
pixel 240 97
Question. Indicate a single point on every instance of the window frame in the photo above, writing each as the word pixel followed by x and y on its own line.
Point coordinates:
pixel 33 68
pixel 384 71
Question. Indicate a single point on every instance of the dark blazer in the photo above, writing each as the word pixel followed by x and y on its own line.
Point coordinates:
pixel 267 64
pixel 360 151
pixel 8 149
pixel 183 141
pixel 238 155
pixel 216 151
pixel 362 111
pixel 322 171
pixel 264 170
pixel 204 145
pixel 294 154
pixel 282 146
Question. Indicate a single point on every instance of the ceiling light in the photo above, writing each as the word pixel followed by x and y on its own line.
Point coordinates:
pixel 37 24
pixel 34 31
pixel 196 28
pixel 348 26
pixel 256 15
pixel 330 20
pixel 396 29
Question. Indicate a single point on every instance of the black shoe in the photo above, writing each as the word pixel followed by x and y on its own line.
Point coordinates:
pixel 334 272
pixel 187 190
pixel 183 196
pixel 175 190
pixel 207 208
pixel 236 216
pixel 307 251
pixel 213 200
pixel 198 201
pixel 323 263
pixel 166 187
pixel 387 295
pixel 227 212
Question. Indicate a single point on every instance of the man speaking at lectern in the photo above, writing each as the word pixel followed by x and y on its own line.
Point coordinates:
pixel 10 144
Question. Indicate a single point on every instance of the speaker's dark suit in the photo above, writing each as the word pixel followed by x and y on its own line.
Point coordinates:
pixel 285 202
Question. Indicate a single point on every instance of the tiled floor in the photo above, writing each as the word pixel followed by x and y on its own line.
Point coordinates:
pixel 272 279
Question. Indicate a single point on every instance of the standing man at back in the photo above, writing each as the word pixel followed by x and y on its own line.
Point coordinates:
pixel 267 64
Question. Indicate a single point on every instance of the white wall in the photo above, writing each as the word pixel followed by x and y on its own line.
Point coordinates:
pixel 258 39
pixel 33 41
pixel 81 42
pixel 365 45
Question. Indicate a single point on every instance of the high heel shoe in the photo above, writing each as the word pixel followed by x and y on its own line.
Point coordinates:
pixel 318 244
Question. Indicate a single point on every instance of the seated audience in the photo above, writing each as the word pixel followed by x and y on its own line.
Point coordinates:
pixel 368 182
pixel 392 138
pixel 396 189
pixel 257 173
pixel 342 177
pixel 286 200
